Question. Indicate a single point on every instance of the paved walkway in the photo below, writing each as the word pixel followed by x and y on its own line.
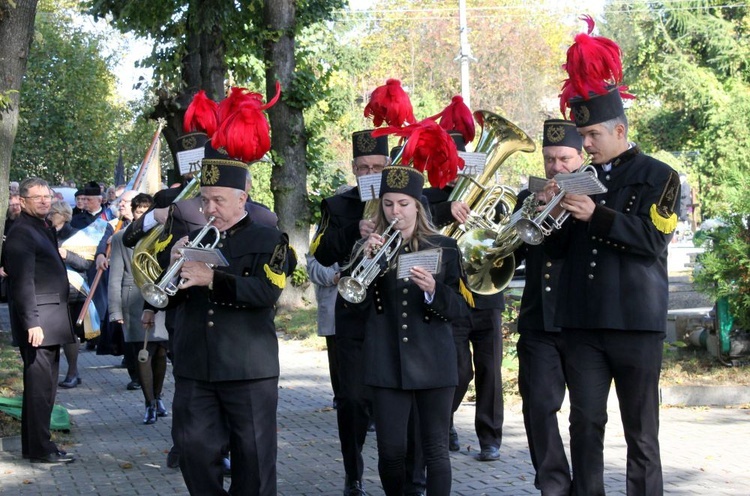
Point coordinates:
pixel 705 450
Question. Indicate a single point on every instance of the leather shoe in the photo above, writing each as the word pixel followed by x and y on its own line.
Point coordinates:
pixel 150 416
pixel 69 383
pixel 54 457
pixel 489 454
pixel 133 385
pixel 453 440
pixel 161 410
pixel 173 458
pixel 354 488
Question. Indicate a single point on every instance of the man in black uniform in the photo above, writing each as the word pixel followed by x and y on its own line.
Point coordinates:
pixel 541 357
pixel 342 224
pixel 226 352
pixel 38 305
pixel 614 288
pixel 478 339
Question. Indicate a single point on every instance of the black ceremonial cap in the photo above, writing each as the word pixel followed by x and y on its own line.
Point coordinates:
pixel 219 169
pixel 364 144
pixel 560 132
pixel 400 179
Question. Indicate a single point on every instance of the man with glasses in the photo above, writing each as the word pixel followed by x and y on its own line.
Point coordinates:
pixel 342 225
pixel 38 304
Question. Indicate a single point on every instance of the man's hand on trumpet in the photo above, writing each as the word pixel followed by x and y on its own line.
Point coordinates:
pixel 581 207
pixel 366 227
pixel 195 274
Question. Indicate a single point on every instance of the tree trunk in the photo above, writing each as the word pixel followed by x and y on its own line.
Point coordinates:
pixel 16 31
pixel 289 141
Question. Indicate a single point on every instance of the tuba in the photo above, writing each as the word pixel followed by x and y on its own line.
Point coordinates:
pixel 145 267
pixel 489 267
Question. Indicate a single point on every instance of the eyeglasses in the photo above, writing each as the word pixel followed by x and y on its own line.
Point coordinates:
pixel 370 168
pixel 39 198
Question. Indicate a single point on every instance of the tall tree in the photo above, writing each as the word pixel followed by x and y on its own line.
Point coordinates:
pixel 16 31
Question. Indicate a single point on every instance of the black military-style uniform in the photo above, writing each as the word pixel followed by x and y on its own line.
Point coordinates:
pixel 612 306
pixel 407 345
pixel 37 297
pixel 482 328
pixel 541 367
pixel 227 365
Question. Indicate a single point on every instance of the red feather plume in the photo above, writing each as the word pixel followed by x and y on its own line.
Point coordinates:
pixel 457 117
pixel 429 148
pixel 201 115
pixel 245 133
pixel 593 64
pixel 389 103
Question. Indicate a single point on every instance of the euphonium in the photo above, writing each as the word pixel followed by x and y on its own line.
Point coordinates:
pixel 533 230
pixel 489 266
pixel 158 294
pixel 145 267
pixel 354 288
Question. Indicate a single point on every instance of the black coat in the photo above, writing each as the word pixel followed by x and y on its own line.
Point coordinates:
pixel 228 333
pixel 38 283
pixel 615 271
pixel 409 343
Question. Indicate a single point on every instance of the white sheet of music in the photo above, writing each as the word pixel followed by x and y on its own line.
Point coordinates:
pixel 369 186
pixel 580 183
pixel 536 184
pixel 427 259
pixel 190 160
pixel 474 163
pixel 209 256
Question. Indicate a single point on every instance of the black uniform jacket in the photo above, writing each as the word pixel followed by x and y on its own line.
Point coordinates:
pixel 440 208
pixel 537 310
pixel 615 270
pixel 409 343
pixel 228 333
pixel 38 283
pixel 339 228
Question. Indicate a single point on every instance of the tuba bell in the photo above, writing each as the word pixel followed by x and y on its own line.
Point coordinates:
pixel 489 267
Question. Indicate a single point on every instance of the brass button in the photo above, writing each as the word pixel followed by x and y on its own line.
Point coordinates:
pixel 404 303
pixel 406 279
pixel 593 264
pixel 591 276
pixel 210 324
pixel 211 312
pixel 547 289
pixel 404 327
pixel 549 264
pixel 546 276
pixel 594 252
pixel 405 340
pixel 380 308
pixel 403 315
pixel 220 245
pixel 406 290
pixel 602 202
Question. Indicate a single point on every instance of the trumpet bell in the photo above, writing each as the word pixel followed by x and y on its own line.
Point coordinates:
pixel 154 295
pixel 489 269
pixel 529 232
pixel 352 290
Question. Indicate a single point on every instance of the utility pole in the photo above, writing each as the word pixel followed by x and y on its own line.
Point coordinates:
pixel 464 54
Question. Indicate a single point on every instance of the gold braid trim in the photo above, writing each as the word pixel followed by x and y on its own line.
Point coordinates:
pixel 665 225
pixel 466 293
pixel 315 243
pixel 160 245
pixel 278 280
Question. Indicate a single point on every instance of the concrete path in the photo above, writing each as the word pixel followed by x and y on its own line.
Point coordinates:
pixel 704 450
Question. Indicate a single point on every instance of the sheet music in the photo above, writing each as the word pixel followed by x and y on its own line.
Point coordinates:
pixel 190 160
pixel 536 184
pixel 427 259
pixel 209 256
pixel 369 186
pixel 580 183
pixel 474 163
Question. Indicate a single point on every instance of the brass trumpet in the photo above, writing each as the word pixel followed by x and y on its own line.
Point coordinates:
pixel 157 294
pixel 354 288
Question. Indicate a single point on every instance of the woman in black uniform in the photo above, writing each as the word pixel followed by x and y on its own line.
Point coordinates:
pixel 408 349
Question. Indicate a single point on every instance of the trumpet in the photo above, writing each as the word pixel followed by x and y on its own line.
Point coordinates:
pixel 354 288
pixel 534 230
pixel 157 294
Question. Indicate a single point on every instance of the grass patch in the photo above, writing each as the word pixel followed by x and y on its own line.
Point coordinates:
pixel 301 325
pixel 11 382
pixel 691 366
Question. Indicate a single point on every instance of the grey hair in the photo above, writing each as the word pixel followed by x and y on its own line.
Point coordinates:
pixel 620 119
pixel 61 207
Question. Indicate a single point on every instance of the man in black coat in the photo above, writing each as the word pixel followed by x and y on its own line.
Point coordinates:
pixel 38 304
pixel 226 363
pixel 541 354
pixel 613 294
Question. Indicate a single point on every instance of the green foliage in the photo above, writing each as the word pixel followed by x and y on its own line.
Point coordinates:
pixel 725 265
pixel 69 122
pixel 299 276
pixel 6 101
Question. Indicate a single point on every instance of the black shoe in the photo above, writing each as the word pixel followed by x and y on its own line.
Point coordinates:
pixel 226 466
pixel 55 457
pixel 69 383
pixel 161 410
pixel 173 458
pixel 453 440
pixel 354 488
pixel 489 454
pixel 150 416
pixel 133 385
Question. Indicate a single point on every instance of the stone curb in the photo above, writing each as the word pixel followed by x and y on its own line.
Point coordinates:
pixel 705 395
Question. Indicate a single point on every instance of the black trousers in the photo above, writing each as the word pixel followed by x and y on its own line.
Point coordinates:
pixel 40 370
pixel 596 357
pixel 479 340
pixel 541 382
pixel 241 414
pixel 333 365
pixel 393 409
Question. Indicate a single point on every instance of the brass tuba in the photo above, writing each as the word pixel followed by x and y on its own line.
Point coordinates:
pixel 489 267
